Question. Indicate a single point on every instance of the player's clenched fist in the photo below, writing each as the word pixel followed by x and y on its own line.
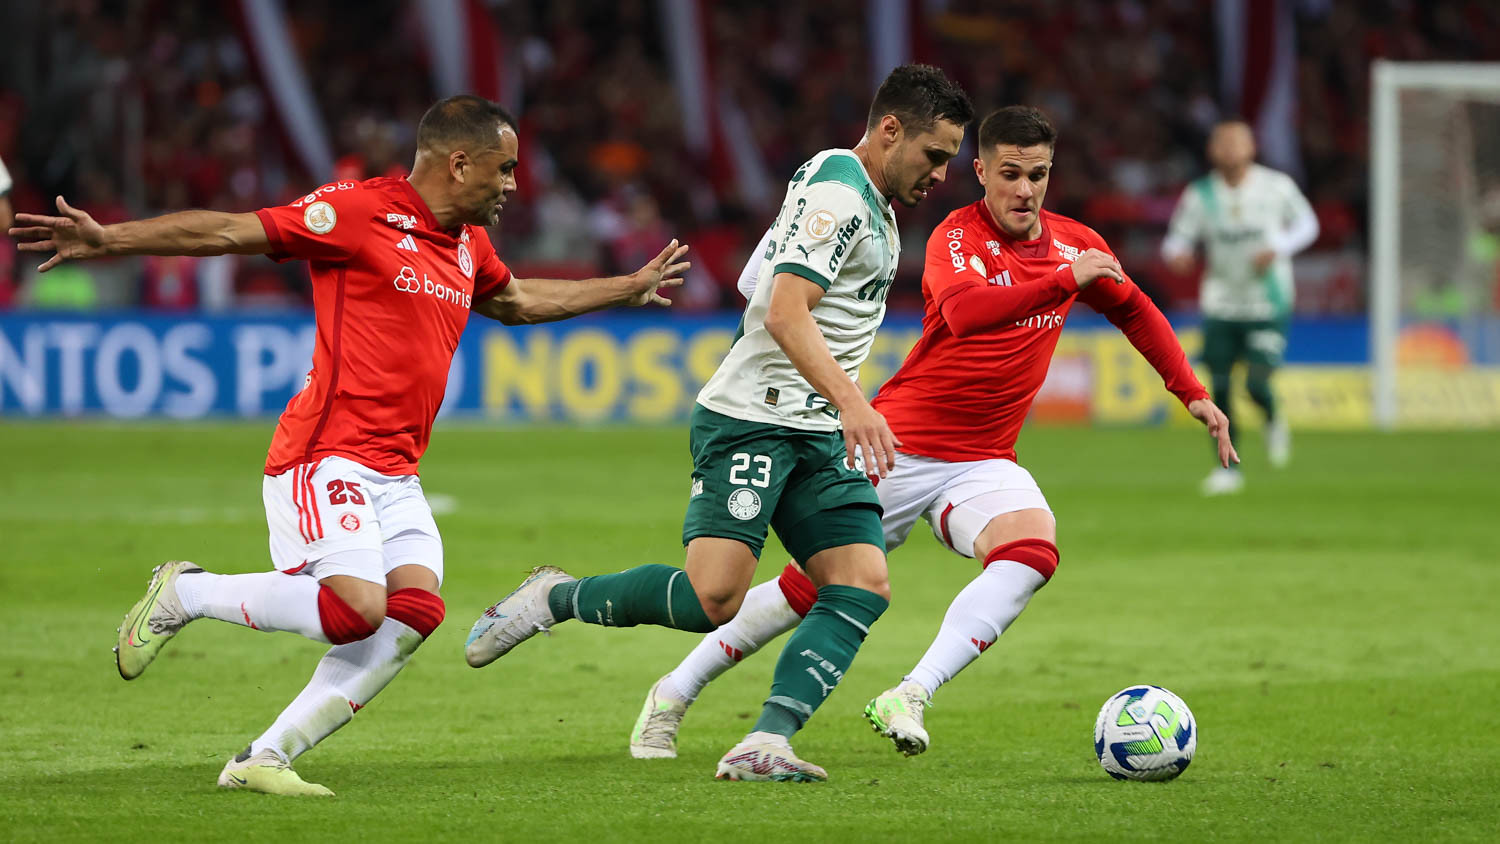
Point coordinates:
pixel 1095 264
pixel 867 435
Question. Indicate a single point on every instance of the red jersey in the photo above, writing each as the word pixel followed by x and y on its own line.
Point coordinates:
pixel 391 295
pixel 968 384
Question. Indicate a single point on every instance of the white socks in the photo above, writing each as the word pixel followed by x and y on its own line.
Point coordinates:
pixel 763 616
pixel 347 678
pixel 975 619
pixel 264 601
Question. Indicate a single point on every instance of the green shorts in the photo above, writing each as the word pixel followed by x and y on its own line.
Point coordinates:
pixel 1257 342
pixel 751 476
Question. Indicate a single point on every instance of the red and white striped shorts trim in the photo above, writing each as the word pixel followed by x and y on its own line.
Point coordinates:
pixel 309 520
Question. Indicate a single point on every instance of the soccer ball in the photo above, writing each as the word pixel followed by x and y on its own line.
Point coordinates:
pixel 1145 733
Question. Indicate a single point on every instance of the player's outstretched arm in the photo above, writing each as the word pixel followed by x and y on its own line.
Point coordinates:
pixel 790 323
pixel 526 301
pixel 1149 332
pixel 76 236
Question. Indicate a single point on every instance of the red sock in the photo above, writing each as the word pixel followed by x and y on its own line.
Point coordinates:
pixel 1039 554
pixel 341 624
pixel 799 591
pixel 418 609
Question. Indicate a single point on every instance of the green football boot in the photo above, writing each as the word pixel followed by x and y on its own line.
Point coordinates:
pixel 153 620
pixel 897 714
pixel 267 773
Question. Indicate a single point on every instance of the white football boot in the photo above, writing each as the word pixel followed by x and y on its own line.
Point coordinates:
pixel 1279 443
pixel 655 733
pixel 767 757
pixel 515 618
pixel 1223 481
pixel 897 714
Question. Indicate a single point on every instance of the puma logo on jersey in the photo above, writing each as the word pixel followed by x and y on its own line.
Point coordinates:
pixel 805 255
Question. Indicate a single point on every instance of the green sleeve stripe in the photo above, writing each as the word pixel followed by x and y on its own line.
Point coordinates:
pixel 799 270
pixel 1205 189
pixel 846 170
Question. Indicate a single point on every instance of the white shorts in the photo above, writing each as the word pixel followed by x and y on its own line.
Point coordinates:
pixel 957 499
pixel 334 516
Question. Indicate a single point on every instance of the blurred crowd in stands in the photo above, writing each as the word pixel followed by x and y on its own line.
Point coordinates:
pixel 138 107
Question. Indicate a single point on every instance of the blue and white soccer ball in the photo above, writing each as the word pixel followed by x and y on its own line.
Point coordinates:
pixel 1145 733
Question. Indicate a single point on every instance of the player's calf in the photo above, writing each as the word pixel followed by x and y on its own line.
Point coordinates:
pixel 350 675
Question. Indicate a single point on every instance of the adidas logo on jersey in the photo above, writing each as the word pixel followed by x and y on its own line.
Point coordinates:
pixel 408 243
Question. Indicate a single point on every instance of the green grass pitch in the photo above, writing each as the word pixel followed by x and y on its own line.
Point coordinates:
pixel 1334 628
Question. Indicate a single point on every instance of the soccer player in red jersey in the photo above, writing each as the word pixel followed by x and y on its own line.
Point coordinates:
pixel 1000 277
pixel 397 266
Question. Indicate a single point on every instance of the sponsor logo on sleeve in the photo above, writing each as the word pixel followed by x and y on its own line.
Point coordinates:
pixel 821 225
pixel 1066 252
pixel 313 197
pixel 955 249
pixel 320 218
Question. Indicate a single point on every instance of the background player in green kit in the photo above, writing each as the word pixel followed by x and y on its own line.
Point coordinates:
pixel 1251 220
pixel 765 439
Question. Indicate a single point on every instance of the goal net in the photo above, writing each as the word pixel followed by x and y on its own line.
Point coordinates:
pixel 1435 244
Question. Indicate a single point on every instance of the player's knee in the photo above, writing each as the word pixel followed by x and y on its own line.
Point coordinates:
pixel 1037 554
pixel 868 579
pixel 366 599
pixel 349 614
pixel 720 607
pixel 879 585
pixel 418 609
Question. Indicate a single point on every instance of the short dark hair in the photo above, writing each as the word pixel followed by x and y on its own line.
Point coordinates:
pixel 1021 126
pixel 919 95
pixel 462 121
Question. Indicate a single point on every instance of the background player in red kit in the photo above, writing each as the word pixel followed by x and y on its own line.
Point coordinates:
pixel 397 266
pixel 1000 277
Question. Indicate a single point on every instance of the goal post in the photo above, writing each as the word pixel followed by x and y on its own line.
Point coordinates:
pixel 1434 190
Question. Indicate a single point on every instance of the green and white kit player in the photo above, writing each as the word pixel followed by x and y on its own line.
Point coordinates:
pixel 1251 220
pixel 776 430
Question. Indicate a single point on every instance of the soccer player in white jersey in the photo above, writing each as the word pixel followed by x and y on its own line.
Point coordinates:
pixel 1251 220
pixel 999 280
pixel 766 441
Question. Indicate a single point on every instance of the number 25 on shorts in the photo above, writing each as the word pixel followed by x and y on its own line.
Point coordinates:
pixel 345 492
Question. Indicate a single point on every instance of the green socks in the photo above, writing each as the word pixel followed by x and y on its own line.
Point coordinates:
pixel 650 594
pixel 816 656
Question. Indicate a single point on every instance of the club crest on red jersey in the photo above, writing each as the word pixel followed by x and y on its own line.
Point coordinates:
pixel 465 262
